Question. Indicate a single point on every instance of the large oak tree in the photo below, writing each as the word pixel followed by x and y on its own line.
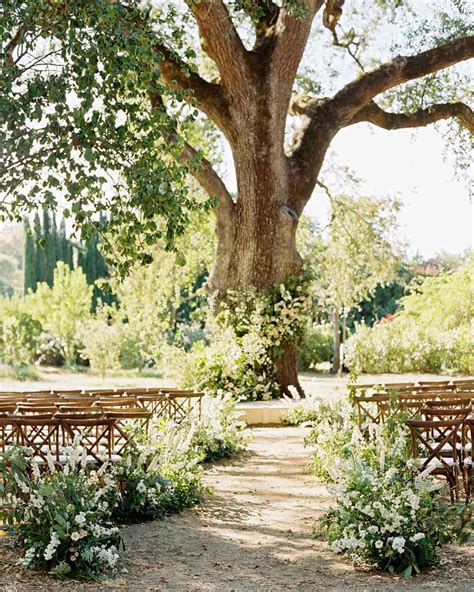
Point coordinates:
pixel 99 100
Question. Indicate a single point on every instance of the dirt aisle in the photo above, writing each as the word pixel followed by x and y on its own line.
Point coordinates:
pixel 252 534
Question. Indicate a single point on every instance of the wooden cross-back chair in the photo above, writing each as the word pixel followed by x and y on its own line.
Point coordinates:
pixel 468 466
pixel 441 456
pixel 371 409
pixel 151 402
pixel 126 419
pixel 44 435
pixel 8 432
pixel 96 435
pixel 183 403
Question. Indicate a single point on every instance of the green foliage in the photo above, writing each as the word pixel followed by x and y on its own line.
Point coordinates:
pixel 19 333
pixel 330 438
pixel 63 307
pixel 315 347
pixel 431 333
pixel 359 253
pixel 101 342
pixel 142 494
pixel 218 433
pixel 85 111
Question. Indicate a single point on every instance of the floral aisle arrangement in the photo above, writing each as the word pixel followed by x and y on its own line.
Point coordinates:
pixel 386 516
pixel 66 517
pixel 246 337
pixel 62 517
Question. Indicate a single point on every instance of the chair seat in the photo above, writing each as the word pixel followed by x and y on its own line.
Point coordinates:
pixel 437 464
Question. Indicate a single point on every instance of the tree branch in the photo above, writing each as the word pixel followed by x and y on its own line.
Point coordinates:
pixel 290 39
pixel 348 101
pixel 220 40
pixel 372 113
pixel 322 119
pixel 265 23
pixel 208 95
pixel 202 170
pixel 15 42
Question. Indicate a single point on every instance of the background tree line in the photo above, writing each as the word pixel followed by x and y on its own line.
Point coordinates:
pixel 46 242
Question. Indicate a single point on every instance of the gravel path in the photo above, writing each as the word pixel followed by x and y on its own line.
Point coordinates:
pixel 252 534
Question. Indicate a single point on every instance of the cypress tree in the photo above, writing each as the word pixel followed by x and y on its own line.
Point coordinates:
pixel 29 259
pixel 61 248
pixel 40 250
pixel 53 254
pixel 48 242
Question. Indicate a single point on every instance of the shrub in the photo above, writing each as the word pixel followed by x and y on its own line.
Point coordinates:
pixel 316 346
pixel 306 412
pixel 101 342
pixel 400 347
pixel 433 331
pixel 61 308
pixel 331 438
pixel 19 334
pixel 384 516
pixel 246 338
pixel 142 494
pixel 50 350
pixel 62 518
pixel 218 433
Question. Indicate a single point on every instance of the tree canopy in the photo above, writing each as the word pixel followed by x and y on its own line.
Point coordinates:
pixel 99 99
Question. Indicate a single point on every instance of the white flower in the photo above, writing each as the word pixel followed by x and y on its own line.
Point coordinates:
pixel 120 118
pixel 72 100
pixel 378 544
pixel 51 548
pixel 80 519
pixel 141 487
pixel 75 536
pixel 417 537
pixel 398 544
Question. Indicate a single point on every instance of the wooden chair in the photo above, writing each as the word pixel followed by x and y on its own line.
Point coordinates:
pixel 43 435
pixel 371 408
pixel 468 467
pixel 95 435
pixel 441 457
pixel 9 435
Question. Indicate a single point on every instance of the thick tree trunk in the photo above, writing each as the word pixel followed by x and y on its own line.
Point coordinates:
pixel 257 246
pixel 287 372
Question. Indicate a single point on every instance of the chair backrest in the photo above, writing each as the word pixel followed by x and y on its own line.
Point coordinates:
pixel 124 402
pixel 442 413
pixel 95 435
pixel 9 434
pixel 446 403
pixel 42 434
pixel 443 450
pixel 23 409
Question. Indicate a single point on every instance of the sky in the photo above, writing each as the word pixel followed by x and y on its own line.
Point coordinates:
pixel 437 214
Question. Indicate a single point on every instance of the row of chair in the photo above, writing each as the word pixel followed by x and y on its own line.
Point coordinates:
pixel 376 408
pixel 172 403
pixel 440 421
pixel 48 421
pixel 443 439
pixel 448 385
